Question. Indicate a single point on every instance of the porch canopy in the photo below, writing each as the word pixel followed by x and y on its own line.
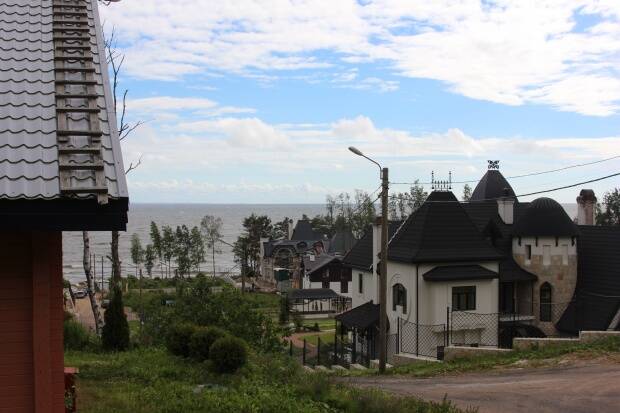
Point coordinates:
pixel 311 300
pixel 360 318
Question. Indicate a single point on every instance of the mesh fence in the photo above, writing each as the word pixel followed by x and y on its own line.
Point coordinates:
pixel 474 329
pixel 426 340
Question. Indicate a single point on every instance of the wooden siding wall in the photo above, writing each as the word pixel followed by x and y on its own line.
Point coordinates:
pixel 31 317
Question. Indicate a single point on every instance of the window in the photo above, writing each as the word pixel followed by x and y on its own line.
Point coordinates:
pixel 344 287
pixel 360 283
pixel 399 297
pixel 325 284
pixel 546 255
pixel 463 298
pixel 545 302
pixel 528 252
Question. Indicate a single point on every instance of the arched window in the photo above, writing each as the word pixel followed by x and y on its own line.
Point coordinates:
pixel 399 297
pixel 545 302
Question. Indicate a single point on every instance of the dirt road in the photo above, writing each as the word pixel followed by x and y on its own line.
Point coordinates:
pixel 581 388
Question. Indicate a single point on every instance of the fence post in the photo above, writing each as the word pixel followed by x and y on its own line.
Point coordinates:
pixel 318 352
pixel 303 357
pixel 290 350
pixel 447 335
pixel 354 347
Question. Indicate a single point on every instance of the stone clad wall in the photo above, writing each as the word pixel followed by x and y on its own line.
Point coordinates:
pixel 560 274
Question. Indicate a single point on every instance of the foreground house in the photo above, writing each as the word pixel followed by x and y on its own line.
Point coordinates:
pixel 481 272
pixel 61 169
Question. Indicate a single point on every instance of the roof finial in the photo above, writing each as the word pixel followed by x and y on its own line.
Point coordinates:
pixel 441 185
pixel 493 164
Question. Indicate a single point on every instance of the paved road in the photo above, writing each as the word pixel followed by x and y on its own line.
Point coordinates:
pixel 583 388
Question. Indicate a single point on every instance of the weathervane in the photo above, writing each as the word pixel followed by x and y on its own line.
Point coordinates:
pixel 493 164
pixel 441 185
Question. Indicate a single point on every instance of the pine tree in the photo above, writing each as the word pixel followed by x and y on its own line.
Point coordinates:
pixel 115 333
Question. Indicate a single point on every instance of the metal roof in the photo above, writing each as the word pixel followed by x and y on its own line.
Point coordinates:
pixel 29 157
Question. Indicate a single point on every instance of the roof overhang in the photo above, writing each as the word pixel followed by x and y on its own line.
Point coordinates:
pixel 63 215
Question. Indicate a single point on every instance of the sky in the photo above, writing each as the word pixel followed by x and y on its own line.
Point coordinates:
pixel 257 101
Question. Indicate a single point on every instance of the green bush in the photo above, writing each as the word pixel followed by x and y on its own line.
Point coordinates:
pixel 76 337
pixel 228 354
pixel 178 339
pixel 115 333
pixel 201 341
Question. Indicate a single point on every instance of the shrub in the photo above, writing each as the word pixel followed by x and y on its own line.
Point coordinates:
pixel 76 337
pixel 201 341
pixel 115 333
pixel 178 338
pixel 228 354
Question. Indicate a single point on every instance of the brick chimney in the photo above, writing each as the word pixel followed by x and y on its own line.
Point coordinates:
pixel 586 206
pixel 506 208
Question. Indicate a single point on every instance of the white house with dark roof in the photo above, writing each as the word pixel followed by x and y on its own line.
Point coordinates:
pixel 483 271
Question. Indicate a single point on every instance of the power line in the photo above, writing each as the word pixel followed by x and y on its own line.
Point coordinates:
pixel 522 175
pixel 539 192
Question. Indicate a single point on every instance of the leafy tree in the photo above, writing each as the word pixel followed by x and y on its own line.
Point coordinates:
pixel 167 246
pixel 197 248
pixel 609 213
pixel 467 193
pixel 247 246
pixel 403 204
pixel 211 228
pixel 280 229
pixel 149 259
pixel 137 252
pixel 157 244
pixel 362 215
pixel 182 251
pixel 115 333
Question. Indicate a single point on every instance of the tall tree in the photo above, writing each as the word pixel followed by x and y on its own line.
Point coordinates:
pixel 90 290
pixel 403 204
pixel 156 241
pixel 609 213
pixel 466 193
pixel 363 213
pixel 183 245
pixel 137 252
pixel 167 246
pixel 247 247
pixel 149 259
pixel 211 228
pixel 197 248
pixel 280 229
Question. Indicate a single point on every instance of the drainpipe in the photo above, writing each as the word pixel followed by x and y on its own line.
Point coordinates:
pixel 417 309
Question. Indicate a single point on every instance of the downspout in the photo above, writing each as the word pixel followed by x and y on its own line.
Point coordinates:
pixel 417 309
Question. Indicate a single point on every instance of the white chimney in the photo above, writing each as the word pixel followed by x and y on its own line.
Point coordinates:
pixel 289 229
pixel 262 247
pixel 506 209
pixel 586 207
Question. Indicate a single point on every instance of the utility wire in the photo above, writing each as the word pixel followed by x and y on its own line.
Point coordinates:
pixel 539 192
pixel 520 176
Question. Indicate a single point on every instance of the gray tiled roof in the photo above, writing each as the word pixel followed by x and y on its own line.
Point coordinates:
pixel 29 166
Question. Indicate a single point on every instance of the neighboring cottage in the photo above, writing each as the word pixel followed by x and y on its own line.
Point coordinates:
pixel 492 267
pixel 61 169
pixel 283 262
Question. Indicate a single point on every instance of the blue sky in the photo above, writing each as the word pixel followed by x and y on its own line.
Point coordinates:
pixel 257 101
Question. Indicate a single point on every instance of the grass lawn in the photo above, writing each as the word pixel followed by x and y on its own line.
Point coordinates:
pixel 150 380
pixel 544 356
pixel 326 338
pixel 324 323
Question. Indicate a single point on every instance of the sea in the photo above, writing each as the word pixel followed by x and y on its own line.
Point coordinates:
pixel 141 215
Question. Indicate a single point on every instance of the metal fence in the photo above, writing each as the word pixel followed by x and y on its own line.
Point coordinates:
pixel 427 340
pixel 473 329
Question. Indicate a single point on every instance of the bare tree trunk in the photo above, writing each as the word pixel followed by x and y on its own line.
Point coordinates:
pixel 213 252
pixel 116 262
pixel 89 284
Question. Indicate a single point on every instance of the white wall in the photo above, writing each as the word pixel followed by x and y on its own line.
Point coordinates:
pixel 564 244
pixel 369 291
pixel 335 286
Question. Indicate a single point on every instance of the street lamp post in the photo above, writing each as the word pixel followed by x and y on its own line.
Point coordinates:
pixel 383 263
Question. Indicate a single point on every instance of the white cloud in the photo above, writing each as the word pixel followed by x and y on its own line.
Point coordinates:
pixel 510 52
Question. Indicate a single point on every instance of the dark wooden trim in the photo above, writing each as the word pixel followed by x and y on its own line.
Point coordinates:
pixel 63 215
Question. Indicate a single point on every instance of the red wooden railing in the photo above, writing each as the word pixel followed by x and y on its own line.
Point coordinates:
pixel 70 393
